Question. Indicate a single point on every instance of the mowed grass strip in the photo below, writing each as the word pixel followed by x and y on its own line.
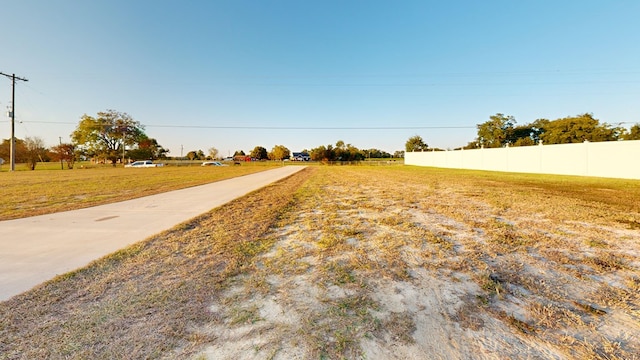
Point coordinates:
pixel 29 193
pixel 145 300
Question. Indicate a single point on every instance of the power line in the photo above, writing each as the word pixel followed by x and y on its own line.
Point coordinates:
pixel 310 128
pixel 258 127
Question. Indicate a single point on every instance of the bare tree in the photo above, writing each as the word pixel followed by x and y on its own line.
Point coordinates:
pixel 34 150
pixel 213 153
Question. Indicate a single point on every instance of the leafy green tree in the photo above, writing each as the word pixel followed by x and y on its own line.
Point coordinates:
pixel 192 155
pixel 200 155
pixel 354 154
pixel 20 150
pixel 376 154
pixel 634 133
pixel 317 153
pixel 538 128
pixel 523 135
pixel 147 148
pixel 106 135
pixel 238 153
pixel 344 152
pixel 496 132
pixel 323 153
pixel 5 149
pixel 415 143
pixel 64 152
pixel 340 151
pixel 576 129
pixel 259 153
pixel 279 152
pixel 475 144
pixel 398 154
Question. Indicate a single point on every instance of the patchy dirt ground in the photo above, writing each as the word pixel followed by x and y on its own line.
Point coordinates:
pixel 392 268
pixel 389 263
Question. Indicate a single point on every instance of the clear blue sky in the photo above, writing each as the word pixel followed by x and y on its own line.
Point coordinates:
pixel 309 73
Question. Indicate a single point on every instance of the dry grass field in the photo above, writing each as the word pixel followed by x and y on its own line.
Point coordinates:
pixel 362 263
pixel 29 193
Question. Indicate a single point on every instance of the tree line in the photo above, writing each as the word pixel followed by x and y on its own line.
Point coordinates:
pixel 347 152
pixel 501 130
pixel 112 136
pixel 278 152
pixel 30 151
pixel 328 153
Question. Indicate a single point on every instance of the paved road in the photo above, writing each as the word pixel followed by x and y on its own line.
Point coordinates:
pixel 35 249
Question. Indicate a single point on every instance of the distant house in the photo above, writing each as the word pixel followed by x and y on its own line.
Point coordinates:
pixel 300 156
pixel 239 158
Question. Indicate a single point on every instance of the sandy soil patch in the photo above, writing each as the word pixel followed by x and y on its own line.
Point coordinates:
pixel 432 272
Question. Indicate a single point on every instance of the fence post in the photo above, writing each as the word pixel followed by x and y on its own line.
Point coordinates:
pixel 506 152
pixel 586 157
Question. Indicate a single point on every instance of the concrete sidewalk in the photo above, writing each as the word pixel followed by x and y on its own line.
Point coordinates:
pixel 35 249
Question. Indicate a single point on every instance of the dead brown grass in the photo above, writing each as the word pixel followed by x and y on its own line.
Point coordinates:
pixel 363 262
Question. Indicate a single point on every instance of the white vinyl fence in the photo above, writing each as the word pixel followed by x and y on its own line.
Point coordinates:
pixel 612 159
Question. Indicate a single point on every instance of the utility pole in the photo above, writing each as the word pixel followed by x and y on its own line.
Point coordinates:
pixel 123 134
pixel 12 114
pixel 61 166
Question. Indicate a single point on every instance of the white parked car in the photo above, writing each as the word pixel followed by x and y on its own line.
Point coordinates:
pixel 143 164
pixel 213 163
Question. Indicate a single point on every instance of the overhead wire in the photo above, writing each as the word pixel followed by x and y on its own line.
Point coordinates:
pixel 260 127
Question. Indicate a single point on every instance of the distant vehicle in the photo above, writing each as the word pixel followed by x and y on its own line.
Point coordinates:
pixel 213 163
pixel 143 164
